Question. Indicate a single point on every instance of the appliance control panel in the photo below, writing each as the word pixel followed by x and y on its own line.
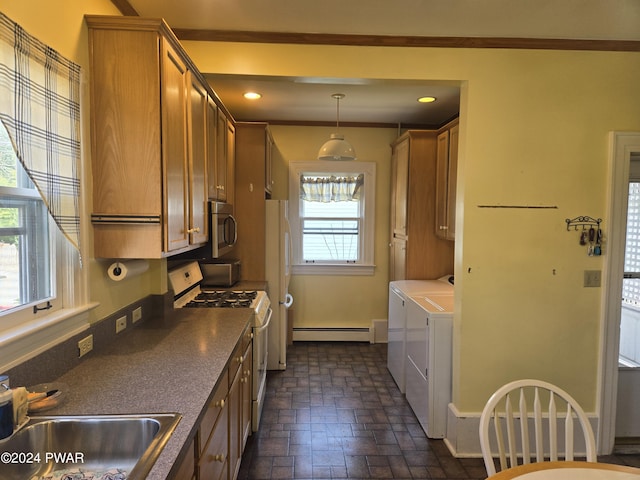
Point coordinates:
pixel 183 277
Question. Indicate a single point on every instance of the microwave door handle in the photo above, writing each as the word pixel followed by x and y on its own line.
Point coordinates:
pixel 235 229
pixel 225 228
pixel 229 223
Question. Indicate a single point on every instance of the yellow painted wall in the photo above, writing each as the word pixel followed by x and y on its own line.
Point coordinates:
pixel 340 301
pixel 60 24
pixel 534 128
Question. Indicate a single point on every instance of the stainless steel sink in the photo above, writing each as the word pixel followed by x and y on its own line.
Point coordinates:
pixel 129 444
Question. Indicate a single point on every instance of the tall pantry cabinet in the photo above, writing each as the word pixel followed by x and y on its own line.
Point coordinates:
pixel 253 187
pixel 415 250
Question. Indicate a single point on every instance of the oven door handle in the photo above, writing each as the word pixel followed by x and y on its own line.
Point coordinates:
pixel 265 324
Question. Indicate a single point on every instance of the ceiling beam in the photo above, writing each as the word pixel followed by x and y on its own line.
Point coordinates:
pixel 392 40
pixel 406 41
pixel 125 8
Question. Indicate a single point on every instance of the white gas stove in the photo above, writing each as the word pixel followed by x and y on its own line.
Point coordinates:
pixel 188 293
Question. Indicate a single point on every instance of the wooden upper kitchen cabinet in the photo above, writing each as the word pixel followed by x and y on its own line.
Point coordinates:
pixel 198 224
pixel 446 181
pixel 149 129
pixel 253 163
pixel 415 250
pixel 222 189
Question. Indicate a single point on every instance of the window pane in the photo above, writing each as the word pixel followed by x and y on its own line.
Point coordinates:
pixel 631 286
pixel 330 240
pixel 8 159
pixel 331 209
pixel 25 259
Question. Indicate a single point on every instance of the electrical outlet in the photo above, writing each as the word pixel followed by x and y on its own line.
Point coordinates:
pixel 137 315
pixel 121 324
pixel 592 278
pixel 85 345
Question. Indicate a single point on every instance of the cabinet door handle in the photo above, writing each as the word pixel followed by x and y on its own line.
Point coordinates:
pixel 220 403
pixel 217 458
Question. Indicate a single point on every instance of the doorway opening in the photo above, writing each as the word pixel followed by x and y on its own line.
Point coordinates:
pixel 619 383
pixel 630 308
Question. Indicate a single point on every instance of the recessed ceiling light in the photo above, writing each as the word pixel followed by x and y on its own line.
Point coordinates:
pixel 252 95
pixel 426 99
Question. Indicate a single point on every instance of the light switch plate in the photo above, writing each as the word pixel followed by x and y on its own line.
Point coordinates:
pixel 592 278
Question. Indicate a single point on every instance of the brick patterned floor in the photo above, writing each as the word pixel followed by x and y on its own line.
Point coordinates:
pixel 335 412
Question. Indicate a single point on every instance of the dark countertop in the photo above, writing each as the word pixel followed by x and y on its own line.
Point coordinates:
pixel 158 367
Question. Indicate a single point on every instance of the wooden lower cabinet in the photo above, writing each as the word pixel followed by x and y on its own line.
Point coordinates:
pixel 214 464
pixel 246 381
pixel 235 415
pixel 239 403
pixel 216 451
pixel 186 470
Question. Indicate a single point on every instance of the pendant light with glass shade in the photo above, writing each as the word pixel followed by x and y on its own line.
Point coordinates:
pixel 337 148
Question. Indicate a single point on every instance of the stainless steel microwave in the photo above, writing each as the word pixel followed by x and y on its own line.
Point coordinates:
pixel 224 231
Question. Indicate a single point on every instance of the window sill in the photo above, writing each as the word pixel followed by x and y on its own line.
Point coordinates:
pixel 27 340
pixel 333 269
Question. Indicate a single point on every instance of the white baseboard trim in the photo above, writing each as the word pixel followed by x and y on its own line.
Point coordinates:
pixel 378 330
pixel 463 437
pixel 331 334
pixel 463 433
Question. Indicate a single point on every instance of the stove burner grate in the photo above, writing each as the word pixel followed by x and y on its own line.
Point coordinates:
pixel 223 299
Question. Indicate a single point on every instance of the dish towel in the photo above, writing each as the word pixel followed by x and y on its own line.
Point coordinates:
pixel 77 474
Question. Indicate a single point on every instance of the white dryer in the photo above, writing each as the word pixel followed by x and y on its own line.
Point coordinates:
pixel 428 364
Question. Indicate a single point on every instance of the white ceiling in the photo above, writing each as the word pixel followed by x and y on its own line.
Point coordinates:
pixel 292 99
pixel 386 100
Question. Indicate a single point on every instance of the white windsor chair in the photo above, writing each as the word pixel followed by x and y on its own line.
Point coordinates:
pixel 506 418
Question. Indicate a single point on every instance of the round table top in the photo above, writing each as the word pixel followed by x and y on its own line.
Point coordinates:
pixel 568 471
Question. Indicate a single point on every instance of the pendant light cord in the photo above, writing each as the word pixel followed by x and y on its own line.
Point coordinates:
pixel 338 97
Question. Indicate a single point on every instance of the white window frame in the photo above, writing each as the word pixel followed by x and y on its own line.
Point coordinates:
pixel 366 265
pixel 25 332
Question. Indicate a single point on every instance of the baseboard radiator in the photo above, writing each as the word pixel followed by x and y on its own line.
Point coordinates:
pixel 313 334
